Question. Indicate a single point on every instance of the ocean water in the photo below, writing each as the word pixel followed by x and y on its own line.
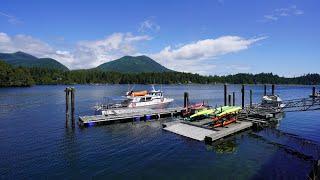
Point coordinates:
pixel 34 142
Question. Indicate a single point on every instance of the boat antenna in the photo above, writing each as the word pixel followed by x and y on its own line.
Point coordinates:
pixel 132 87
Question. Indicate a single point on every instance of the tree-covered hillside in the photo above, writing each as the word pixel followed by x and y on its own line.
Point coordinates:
pixel 18 76
pixel 21 59
pixel 131 64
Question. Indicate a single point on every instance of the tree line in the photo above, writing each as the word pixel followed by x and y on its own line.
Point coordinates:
pixel 19 76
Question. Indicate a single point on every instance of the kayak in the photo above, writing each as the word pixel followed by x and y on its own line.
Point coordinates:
pixel 194 108
pixel 232 110
pixel 224 123
pixel 202 113
pixel 207 112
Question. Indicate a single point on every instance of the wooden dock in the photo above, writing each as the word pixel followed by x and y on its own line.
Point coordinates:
pixel 130 115
pixel 199 133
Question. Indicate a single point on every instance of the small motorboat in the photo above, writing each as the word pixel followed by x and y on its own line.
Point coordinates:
pixel 316 95
pixel 272 101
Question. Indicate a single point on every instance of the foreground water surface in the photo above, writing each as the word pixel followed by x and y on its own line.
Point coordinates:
pixel 34 142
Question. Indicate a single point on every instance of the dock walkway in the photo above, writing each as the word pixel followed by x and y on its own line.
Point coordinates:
pixel 204 134
pixel 130 115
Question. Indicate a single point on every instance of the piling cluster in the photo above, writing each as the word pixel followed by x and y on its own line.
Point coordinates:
pixel 228 97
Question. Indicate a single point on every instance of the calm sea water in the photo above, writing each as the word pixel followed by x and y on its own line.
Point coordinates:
pixel 34 142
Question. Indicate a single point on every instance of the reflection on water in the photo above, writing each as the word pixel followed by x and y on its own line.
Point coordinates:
pixel 36 144
pixel 228 146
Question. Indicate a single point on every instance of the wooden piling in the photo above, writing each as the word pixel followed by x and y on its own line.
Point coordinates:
pixel 265 90
pixel 313 91
pixel 72 107
pixel 242 93
pixel 273 87
pixel 186 100
pixel 67 105
pixel 225 94
pixel 250 97
pixel 233 98
pixel 229 100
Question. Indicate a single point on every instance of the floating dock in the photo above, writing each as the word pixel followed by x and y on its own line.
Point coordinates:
pixel 130 115
pixel 196 132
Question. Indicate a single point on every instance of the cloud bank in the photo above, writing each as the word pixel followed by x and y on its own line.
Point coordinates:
pixel 196 57
pixel 84 54
pixel 195 54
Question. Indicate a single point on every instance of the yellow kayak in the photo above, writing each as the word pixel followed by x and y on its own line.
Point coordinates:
pixel 232 110
pixel 207 112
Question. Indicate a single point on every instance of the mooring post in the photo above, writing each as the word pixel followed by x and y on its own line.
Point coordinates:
pixel 313 91
pixel 242 92
pixel 229 100
pixel 186 100
pixel 72 107
pixel 265 90
pixel 250 98
pixel 67 105
pixel 273 87
pixel 233 98
pixel 225 94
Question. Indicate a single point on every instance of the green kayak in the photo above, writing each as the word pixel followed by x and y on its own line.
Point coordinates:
pixel 232 109
pixel 207 112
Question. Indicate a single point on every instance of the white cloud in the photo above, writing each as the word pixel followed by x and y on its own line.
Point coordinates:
pixel 190 56
pixel 282 12
pixel 11 19
pixel 94 53
pixel 149 25
pixel 84 54
pixel 196 57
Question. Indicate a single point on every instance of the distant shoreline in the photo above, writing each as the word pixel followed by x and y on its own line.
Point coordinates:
pixel 190 84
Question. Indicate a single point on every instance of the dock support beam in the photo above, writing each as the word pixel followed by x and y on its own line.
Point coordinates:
pixel 273 87
pixel 233 98
pixel 229 100
pixel 250 98
pixel 242 93
pixel 265 90
pixel 225 94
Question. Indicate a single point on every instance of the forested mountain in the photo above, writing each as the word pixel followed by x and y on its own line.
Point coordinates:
pixel 21 59
pixel 133 64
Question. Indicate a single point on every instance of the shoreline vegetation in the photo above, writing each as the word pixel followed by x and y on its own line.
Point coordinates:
pixel 24 77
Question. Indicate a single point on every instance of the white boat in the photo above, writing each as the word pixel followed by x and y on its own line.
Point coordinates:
pixel 147 98
pixel 272 101
pixel 316 95
pixel 134 101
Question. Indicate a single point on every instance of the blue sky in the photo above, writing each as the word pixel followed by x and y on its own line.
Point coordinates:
pixel 206 37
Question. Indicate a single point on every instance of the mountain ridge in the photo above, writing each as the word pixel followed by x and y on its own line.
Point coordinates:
pixel 23 59
pixel 133 64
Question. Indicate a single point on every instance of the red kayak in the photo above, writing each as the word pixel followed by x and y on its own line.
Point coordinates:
pixel 224 122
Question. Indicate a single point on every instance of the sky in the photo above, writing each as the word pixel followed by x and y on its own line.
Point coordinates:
pixel 216 37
